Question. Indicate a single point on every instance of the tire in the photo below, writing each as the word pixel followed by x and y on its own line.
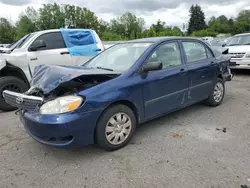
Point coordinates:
pixel 213 99
pixel 105 128
pixel 13 84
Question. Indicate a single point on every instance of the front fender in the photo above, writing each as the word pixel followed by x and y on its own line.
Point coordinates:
pixel 2 63
pixel 96 101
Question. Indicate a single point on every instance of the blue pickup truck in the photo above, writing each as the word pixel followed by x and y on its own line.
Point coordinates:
pixel 103 100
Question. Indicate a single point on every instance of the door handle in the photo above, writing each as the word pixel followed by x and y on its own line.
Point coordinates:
pixel 33 59
pixel 182 71
pixel 98 50
pixel 212 64
pixel 63 53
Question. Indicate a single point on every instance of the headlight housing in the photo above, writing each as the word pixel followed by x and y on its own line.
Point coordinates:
pixel 247 55
pixel 61 105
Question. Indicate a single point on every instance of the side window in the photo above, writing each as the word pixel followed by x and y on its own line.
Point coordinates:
pixel 52 40
pixel 168 54
pixel 195 51
pixel 209 53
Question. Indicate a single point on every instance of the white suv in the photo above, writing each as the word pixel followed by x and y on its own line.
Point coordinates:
pixel 239 49
pixel 67 47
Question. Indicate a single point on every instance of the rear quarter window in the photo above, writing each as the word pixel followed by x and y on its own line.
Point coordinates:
pixel 80 38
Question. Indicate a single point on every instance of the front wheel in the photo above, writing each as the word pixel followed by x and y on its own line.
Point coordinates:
pixel 115 127
pixel 217 94
pixel 10 83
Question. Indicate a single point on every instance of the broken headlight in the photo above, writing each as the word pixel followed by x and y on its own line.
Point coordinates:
pixel 61 105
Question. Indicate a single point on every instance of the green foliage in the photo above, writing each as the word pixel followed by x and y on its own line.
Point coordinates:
pixel 197 19
pixel 51 16
pixel 24 26
pixel 203 33
pixel 125 27
pixel 128 26
pixel 7 31
pixel 159 26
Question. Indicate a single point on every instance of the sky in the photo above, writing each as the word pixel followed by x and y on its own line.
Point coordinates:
pixel 173 12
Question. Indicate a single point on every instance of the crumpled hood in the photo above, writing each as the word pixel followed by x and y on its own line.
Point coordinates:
pixel 49 77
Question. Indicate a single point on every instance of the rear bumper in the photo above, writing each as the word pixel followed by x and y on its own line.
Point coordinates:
pixel 73 130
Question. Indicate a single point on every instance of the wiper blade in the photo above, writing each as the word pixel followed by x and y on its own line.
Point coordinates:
pixel 105 68
pixel 233 44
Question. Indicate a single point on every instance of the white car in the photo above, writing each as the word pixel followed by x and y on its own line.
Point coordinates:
pixel 58 46
pixel 239 50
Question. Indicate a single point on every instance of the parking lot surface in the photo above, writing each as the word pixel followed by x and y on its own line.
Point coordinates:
pixel 196 147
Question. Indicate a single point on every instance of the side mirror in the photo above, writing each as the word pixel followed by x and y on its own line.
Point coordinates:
pixel 152 66
pixel 37 44
pixel 223 45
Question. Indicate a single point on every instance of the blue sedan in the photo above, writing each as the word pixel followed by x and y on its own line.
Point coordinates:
pixel 130 83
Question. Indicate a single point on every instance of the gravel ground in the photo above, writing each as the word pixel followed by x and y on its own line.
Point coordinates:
pixel 185 149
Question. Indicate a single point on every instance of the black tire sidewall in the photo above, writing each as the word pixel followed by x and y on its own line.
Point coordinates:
pixel 101 125
pixel 10 80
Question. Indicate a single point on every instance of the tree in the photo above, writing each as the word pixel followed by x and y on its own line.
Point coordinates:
pixel 118 28
pixel 51 16
pixel 87 19
pixel 109 36
pixel 176 31
pixel 24 26
pixel 203 33
pixel 222 19
pixel 103 27
pixel 32 14
pixel 242 23
pixel 128 26
pixel 197 19
pixel 159 26
pixel 7 31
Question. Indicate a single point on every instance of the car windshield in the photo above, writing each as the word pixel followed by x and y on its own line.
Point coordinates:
pixel 239 40
pixel 21 41
pixel 119 58
pixel 24 39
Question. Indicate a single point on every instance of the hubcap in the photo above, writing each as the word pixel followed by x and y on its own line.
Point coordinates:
pixel 118 128
pixel 218 92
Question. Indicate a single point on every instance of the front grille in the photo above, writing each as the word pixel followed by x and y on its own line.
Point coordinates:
pixel 237 55
pixel 22 101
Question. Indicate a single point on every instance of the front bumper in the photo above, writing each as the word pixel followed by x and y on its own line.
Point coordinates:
pixel 71 130
pixel 228 76
pixel 237 63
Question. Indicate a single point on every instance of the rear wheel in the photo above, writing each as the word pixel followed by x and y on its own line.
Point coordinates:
pixel 115 127
pixel 217 94
pixel 10 83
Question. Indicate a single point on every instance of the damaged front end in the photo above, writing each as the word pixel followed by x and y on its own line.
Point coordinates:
pixel 52 82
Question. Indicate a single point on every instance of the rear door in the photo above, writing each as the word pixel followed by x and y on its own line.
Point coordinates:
pixel 166 89
pixel 201 69
pixel 55 51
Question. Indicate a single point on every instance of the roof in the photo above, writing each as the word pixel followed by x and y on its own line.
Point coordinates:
pixel 112 42
pixel 242 34
pixel 157 39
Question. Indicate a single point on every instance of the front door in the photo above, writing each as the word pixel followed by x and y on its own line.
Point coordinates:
pixel 55 51
pixel 165 90
pixel 201 70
